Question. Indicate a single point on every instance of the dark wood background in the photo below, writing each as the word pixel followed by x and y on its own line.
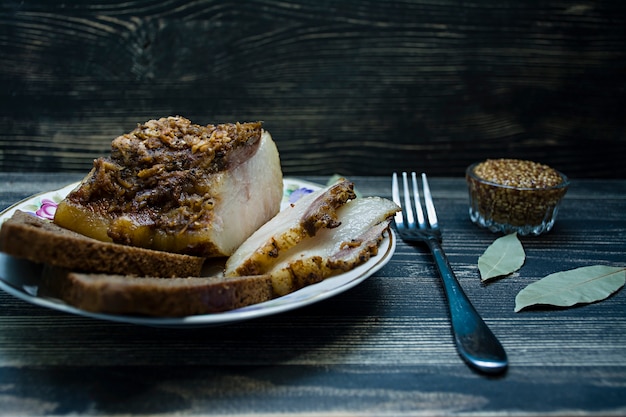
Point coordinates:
pixel 350 87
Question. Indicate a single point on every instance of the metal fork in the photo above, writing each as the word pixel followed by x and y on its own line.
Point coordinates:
pixel 475 342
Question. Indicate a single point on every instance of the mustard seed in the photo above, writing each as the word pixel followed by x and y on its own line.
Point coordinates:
pixel 514 195
pixel 518 173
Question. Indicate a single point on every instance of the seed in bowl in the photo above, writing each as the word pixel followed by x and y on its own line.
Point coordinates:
pixel 511 195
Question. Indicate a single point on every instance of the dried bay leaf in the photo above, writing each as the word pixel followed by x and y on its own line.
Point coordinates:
pixel 503 257
pixel 565 289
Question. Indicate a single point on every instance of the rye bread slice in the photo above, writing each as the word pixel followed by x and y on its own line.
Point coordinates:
pixel 30 237
pixel 161 297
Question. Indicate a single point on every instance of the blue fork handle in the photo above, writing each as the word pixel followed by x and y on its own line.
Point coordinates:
pixel 476 343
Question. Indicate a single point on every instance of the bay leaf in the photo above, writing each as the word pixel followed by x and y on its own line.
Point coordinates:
pixel 567 288
pixel 503 257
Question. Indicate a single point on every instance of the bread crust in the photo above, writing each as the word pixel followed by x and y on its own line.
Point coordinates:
pixel 38 240
pixel 160 297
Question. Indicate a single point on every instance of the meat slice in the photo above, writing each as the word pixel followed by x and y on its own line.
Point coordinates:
pixel 303 219
pixel 331 251
pixel 178 187
pixel 324 233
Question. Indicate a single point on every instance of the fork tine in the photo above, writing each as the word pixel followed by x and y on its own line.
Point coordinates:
pixel 418 205
pixel 395 196
pixel 430 206
pixel 410 219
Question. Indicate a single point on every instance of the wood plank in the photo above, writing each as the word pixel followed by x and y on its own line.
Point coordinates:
pixel 353 87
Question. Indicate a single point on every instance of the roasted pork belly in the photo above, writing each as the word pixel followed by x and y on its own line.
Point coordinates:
pixel 311 213
pixel 336 250
pixel 305 244
pixel 179 187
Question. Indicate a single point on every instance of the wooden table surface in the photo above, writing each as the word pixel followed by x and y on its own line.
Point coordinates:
pixel 353 85
pixel 381 348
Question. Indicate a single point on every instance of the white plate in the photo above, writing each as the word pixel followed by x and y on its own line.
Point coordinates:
pixel 20 278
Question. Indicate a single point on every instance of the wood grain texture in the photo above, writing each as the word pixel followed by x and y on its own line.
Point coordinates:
pixel 381 348
pixel 360 88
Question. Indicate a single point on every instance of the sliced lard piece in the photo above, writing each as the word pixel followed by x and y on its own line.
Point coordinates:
pixel 331 251
pixel 175 186
pixel 288 228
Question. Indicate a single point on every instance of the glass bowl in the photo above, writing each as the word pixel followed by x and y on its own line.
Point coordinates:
pixel 510 195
